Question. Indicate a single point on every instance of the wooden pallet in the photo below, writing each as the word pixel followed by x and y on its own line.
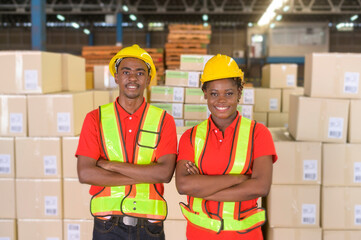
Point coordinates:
pixel 188 27
pixel 186 51
pixel 183 45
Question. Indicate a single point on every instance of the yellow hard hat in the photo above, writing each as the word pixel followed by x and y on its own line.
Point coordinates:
pixel 133 52
pixel 220 67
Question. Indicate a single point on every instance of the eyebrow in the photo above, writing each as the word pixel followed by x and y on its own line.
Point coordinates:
pixel 127 68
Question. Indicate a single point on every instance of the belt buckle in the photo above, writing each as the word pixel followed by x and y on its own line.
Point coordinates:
pixel 130 221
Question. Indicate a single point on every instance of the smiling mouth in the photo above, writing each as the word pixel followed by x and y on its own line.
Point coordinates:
pixel 221 108
pixel 132 86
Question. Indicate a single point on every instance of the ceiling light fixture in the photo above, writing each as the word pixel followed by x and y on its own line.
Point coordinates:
pixel 132 17
pixel 278 17
pixel 205 17
pixel 270 13
pixel 250 24
pixel 86 31
pixel 125 8
pixel 60 17
pixel 140 25
pixel 354 17
pixel 75 25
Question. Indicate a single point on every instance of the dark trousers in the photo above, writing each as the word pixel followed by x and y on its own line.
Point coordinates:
pixel 115 229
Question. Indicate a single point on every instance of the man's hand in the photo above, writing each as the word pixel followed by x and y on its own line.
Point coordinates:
pixel 102 163
pixel 192 168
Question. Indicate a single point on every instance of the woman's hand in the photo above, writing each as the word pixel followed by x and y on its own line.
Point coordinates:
pixel 192 168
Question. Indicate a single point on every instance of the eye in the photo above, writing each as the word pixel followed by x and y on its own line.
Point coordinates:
pixel 229 93
pixel 140 73
pixel 125 72
pixel 213 94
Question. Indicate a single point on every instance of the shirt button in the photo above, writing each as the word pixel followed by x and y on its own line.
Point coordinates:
pixel 220 140
pixel 130 118
pixel 215 131
pixel 130 130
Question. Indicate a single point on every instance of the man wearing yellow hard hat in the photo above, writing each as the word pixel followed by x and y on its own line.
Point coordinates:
pixel 127 150
pixel 224 163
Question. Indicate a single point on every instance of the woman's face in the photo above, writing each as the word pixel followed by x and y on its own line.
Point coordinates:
pixel 222 97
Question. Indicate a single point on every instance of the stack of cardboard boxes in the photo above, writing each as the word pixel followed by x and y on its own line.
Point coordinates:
pixel 327 116
pixel 271 101
pixel 43 102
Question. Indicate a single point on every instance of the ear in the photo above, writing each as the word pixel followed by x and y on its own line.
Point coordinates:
pixel 148 80
pixel 239 91
pixel 205 93
pixel 116 78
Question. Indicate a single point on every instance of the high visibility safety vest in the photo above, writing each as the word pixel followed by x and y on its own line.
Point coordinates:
pixel 229 217
pixel 139 200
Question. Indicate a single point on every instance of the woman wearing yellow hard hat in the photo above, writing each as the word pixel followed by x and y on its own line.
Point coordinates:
pixel 224 163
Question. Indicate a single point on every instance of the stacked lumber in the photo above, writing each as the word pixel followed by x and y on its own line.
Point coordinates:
pixel 157 55
pixel 98 55
pixel 185 39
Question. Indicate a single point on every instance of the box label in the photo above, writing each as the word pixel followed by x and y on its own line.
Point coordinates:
pixel 357 214
pixel 357 172
pixel 310 170
pixel 5 166
pixel 273 104
pixel 165 106
pixel 248 96
pixel 177 110
pixel 178 94
pixel 194 92
pixel 16 122
pixel 31 79
pixel 162 90
pixel 5 238
pixel 308 214
pixel 50 166
pixel 290 80
pixel 193 79
pixel 246 111
pixel 191 59
pixel 51 205
pixel 63 121
pixel 176 74
pixel 52 238
pixel 74 231
pixel 351 82
pixel 179 122
pixel 335 127
pixel 195 108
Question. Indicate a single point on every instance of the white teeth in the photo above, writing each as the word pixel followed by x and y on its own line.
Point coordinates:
pixel 221 108
pixel 132 87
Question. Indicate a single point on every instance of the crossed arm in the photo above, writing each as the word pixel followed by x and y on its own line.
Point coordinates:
pixel 225 188
pixel 110 173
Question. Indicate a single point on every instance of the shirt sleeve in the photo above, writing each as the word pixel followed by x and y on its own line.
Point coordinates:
pixel 168 138
pixel 186 151
pixel 263 143
pixel 89 144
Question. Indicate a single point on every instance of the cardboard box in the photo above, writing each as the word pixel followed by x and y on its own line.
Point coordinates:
pixel 175 229
pixel 8 229
pixel 279 76
pixel 196 111
pixel 333 75
pixel 294 233
pixel 182 78
pixel 174 109
pixel 101 97
pixel 318 119
pixel 48 229
pixel 267 100
pixel 193 62
pixel 38 158
pixel 294 206
pixel 7 157
pixel 28 72
pixel 103 79
pixel 247 96
pixel 341 208
pixel 341 234
pixel 73 73
pixel 76 199
pixel 173 199
pixel 167 94
pixel 192 123
pixel 277 119
pixel 89 78
pixel 260 117
pixel 281 135
pixel 195 95
pixel 13 112
pixel 7 200
pixel 298 163
pixel 246 111
pixel 286 96
pixel 55 115
pixel 39 199
pixel 78 229
pixel 354 130
pixel 341 165
pixel 179 122
pixel 69 147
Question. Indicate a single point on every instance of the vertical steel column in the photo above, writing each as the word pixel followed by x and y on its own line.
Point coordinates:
pixel 119 29
pixel 91 39
pixel 147 39
pixel 38 25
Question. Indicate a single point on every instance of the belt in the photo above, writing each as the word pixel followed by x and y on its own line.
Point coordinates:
pixel 127 220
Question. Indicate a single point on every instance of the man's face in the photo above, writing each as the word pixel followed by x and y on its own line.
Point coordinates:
pixel 132 78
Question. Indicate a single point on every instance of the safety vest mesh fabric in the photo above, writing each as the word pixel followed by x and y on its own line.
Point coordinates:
pixel 230 217
pixel 139 200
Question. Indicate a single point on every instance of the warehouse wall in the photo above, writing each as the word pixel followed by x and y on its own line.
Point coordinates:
pixel 223 40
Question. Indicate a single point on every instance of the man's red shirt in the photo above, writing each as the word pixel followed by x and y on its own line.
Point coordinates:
pixel 215 161
pixel 90 143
